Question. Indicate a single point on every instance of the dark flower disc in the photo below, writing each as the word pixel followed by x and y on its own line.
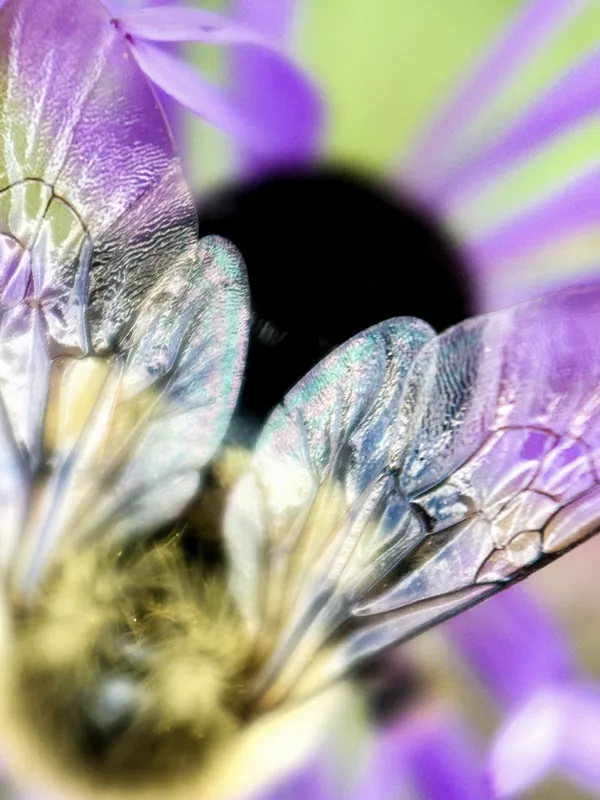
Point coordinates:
pixel 329 253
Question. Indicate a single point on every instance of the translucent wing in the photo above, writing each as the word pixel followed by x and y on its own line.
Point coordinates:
pixel 121 341
pixel 409 477
pixel 319 478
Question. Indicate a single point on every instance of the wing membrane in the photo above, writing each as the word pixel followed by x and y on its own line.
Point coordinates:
pixel 319 478
pixel 484 468
pixel 83 141
pixel 121 341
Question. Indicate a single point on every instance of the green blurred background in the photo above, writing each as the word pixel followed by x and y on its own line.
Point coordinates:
pixel 384 66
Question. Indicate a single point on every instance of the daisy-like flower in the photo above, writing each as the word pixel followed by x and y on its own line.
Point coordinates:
pixel 497 166
pixel 465 170
pixel 92 303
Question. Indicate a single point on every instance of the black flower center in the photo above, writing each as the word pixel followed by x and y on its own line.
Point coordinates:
pixel 330 253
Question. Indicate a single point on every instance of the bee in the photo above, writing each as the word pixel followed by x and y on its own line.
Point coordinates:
pixel 407 477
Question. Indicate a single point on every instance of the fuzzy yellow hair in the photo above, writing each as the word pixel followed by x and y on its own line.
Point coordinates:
pixel 129 668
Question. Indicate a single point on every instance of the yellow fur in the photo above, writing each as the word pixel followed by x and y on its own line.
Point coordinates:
pixel 144 620
pixel 163 625
pixel 205 516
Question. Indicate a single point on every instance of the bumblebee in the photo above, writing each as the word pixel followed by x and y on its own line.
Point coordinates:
pixel 407 477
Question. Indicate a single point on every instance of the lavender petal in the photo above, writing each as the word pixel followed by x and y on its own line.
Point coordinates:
pixel 273 18
pixel 574 207
pixel 572 99
pixel 428 754
pixel 534 27
pixel 170 107
pixel 443 761
pixel 182 83
pixel 580 754
pixel 307 783
pixel 279 115
pixel 556 731
pixel 527 746
pixel 168 24
pixel 512 645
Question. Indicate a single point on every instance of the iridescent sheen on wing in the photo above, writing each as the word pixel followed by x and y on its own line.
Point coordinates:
pixel 410 476
pixel 100 260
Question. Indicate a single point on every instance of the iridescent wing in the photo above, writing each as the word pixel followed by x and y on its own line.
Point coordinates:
pixel 409 476
pixel 121 340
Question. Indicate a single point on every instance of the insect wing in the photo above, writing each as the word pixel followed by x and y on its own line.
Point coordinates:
pixel 108 304
pixel 299 525
pixel 470 464
pixel 498 460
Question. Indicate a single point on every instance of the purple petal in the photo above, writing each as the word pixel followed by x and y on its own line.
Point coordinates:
pixel 309 782
pixel 274 112
pixel 272 18
pixel 558 729
pixel 527 746
pixel 428 754
pixel 179 81
pixel 512 644
pixel 117 7
pixel 168 24
pixel 170 107
pixel 291 110
pixel 563 263
pixel 580 754
pixel 386 777
pixel 573 98
pixel 571 209
pixel 441 758
pixel 536 24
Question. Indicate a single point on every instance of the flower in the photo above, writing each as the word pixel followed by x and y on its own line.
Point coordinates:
pixel 552 707
pixel 503 165
pixel 270 109
pixel 461 170
pixel 471 165
pixel 432 753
